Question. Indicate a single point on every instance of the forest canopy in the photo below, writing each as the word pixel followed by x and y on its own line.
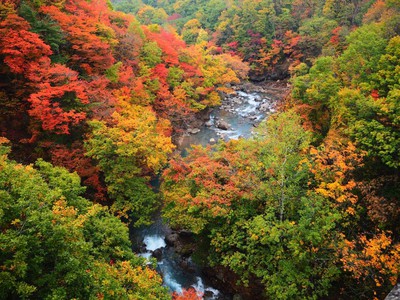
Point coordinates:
pixel 94 96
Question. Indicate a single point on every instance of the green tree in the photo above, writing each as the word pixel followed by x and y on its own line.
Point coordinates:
pixel 317 89
pixel 57 245
pixel 190 31
pixel 251 201
pixel 359 62
pixel 151 54
pixel 282 139
pixel 379 135
pixel 388 74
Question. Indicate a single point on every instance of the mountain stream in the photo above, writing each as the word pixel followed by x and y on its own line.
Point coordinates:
pixel 234 119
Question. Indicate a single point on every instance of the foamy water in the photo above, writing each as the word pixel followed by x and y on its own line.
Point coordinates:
pixel 154 242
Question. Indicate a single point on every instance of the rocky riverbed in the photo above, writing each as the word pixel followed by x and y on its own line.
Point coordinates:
pixel 238 114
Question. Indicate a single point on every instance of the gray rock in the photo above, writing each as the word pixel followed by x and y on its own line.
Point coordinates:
pixel 236 100
pixel 264 107
pixel 221 124
pixel 209 123
pixel 394 293
pixel 257 98
pixel 212 141
pixel 193 130
pixel 157 254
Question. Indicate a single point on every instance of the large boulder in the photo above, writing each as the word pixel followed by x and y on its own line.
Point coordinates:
pixel 172 238
pixel 221 124
pixel 157 254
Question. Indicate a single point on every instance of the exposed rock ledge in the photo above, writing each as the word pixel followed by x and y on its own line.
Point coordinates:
pixel 394 294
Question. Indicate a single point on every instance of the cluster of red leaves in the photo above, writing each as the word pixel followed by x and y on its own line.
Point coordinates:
pixel 26 54
pixel 19 46
pixel 90 52
pixel 168 43
pixel 189 294
pixel 74 160
pixel 55 84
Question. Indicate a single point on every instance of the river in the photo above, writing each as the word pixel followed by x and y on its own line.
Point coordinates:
pixel 234 119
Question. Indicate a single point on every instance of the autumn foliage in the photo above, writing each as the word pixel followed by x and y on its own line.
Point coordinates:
pixel 67 64
pixel 189 294
pixel 307 208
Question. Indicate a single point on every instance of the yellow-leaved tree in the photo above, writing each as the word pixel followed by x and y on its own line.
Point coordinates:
pixel 134 145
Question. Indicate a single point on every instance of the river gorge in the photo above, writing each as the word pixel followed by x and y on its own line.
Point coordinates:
pixel 238 114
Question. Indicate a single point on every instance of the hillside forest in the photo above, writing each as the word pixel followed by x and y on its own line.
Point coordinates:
pixel 95 95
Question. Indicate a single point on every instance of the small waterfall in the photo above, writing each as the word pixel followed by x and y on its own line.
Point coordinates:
pixel 154 242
